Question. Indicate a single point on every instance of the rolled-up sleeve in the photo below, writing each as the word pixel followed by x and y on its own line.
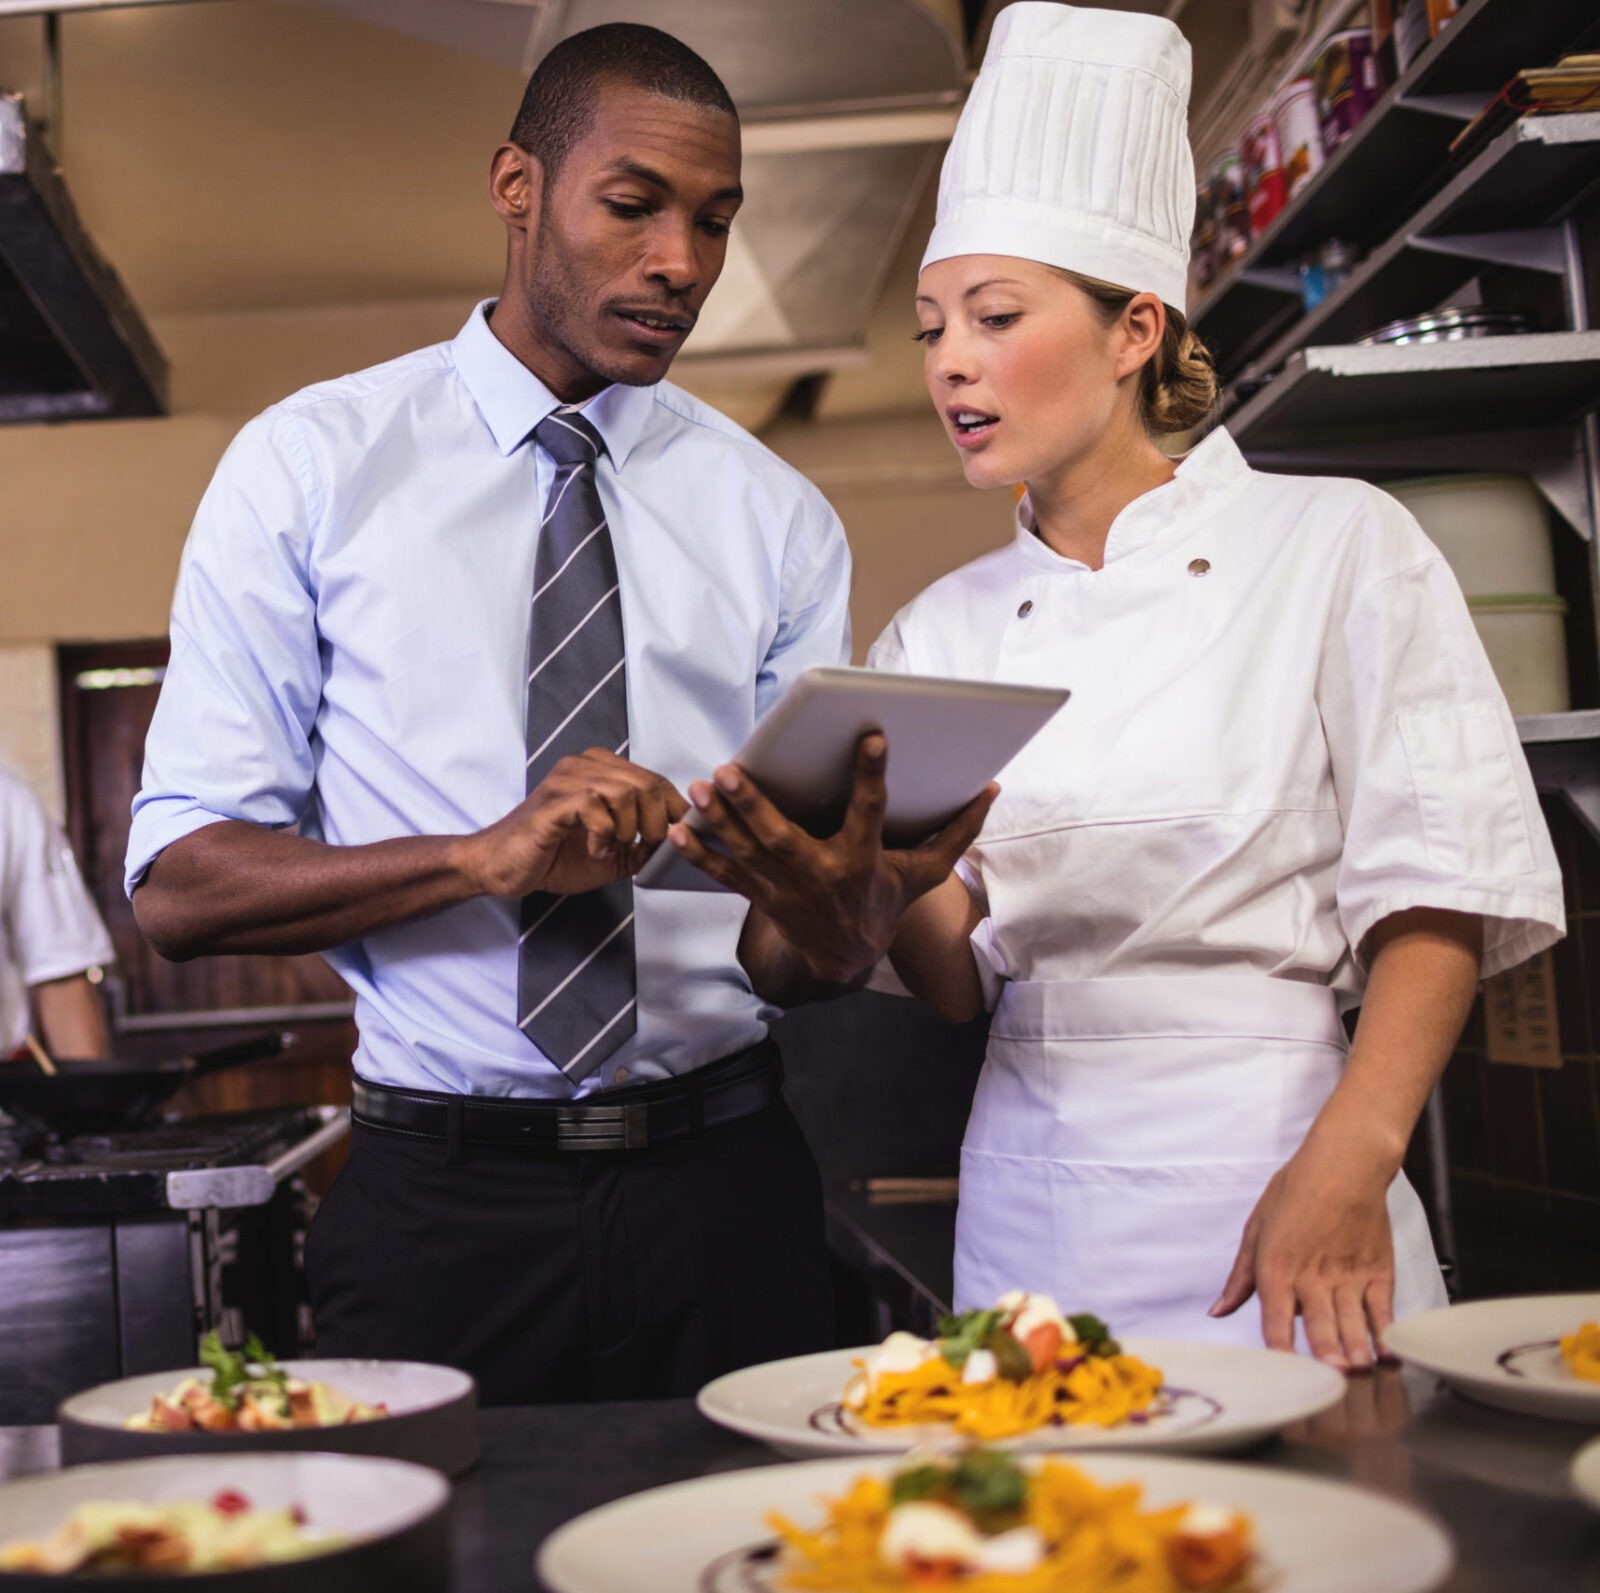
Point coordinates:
pixel 1438 805
pixel 231 737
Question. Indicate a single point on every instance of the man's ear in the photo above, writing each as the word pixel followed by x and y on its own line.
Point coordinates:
pixel 516 181
pixel 1144 323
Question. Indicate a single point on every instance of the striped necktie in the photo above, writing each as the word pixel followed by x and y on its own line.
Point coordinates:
pixel 575 966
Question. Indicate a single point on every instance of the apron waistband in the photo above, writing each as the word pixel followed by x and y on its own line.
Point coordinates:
pixel 1175 1007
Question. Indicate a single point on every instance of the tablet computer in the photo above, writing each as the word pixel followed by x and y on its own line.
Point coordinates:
pixel 947 740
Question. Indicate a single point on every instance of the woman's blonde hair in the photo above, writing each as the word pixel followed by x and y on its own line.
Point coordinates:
pixel 1178 387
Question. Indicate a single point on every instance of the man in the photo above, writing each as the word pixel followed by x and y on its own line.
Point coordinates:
pixel 571 1169
pixel 50 936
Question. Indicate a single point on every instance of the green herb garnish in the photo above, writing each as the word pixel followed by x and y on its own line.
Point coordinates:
pixel 960 1335
pixel 1094 1337
pixel 985 1484
pixel 233 1371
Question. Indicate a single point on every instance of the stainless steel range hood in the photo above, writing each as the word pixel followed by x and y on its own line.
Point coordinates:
pixel 72 345
pixel 846 105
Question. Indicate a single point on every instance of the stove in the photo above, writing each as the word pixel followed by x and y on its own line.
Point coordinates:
pixel 120 1250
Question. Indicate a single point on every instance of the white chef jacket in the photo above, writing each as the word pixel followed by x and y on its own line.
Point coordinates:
pixel 49 928
pixel 1283 728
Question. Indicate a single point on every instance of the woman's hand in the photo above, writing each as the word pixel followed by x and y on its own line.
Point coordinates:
pixel 1318 1244
pixel 838 900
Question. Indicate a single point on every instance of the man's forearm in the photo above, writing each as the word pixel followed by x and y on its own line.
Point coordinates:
pixel 235 887
pixel 72 1018
pixel 1424 974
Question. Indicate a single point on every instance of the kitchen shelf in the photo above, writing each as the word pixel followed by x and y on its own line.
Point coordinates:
pixel 1564 754
pixel 1372 181
pixel 1505 207
pixel 1385 392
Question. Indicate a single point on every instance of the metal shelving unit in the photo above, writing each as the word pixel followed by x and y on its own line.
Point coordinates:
pixel 1564 754
pixel 1328 401
pixel 1507 206
pixel 1376 177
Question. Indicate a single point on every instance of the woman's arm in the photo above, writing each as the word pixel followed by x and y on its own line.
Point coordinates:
pixel 932 951
pixel 72 1018
pixel 1318 1242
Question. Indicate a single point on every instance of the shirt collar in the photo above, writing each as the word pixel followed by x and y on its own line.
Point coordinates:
pixel 1209 472
pixel 512 400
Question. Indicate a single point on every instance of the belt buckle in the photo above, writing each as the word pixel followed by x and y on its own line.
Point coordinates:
pixel 582 1127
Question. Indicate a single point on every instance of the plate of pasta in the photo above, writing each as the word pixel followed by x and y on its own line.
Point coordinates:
pixel 1538 1354
pixel 1024 1375
pixel 992 1521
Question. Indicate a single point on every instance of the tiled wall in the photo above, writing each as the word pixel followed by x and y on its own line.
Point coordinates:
pixel 1524 1142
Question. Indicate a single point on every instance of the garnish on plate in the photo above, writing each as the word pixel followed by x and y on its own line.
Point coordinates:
pixel 1010 1369
pixel 249 1392
pixel 979 1520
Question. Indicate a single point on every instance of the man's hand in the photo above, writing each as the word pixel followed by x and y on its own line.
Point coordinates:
pixel 593 819
pixel 835 901
pixel 1318 1244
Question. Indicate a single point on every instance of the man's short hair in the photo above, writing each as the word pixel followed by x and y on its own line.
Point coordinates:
pixel 559 102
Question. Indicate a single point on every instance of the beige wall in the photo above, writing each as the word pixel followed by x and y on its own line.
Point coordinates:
pixel 95 512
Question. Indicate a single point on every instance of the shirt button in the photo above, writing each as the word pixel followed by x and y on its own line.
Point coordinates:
pixel 620 1076
pixel 1026 609
pixel 1200 567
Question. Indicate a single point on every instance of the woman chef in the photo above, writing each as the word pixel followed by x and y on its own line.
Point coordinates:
pixel 1286 783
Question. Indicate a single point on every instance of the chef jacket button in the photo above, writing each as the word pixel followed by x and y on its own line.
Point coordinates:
pixel 1026 609
pixel 1199 566
pixel 620 1076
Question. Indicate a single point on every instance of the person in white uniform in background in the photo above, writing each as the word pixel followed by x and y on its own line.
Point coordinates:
pixel 1287 783
pixel 50 936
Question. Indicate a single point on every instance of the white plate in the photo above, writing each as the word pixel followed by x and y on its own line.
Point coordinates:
pixel 1221 1397
pixel 1586 1472
pixel 393 1515
pixel 1505 1352
pixel 433 1417
pixel 698 1537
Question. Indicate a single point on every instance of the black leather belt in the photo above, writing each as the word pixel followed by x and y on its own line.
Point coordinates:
pixel 619 1120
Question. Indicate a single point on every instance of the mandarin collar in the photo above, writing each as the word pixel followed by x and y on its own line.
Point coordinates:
pixel 512 400
pixel 1211 470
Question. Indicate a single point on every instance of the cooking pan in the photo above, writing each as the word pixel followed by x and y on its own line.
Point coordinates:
pixel 103 1094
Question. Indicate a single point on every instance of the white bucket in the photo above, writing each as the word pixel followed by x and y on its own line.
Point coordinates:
pixel 1493 531
pixel 1525 636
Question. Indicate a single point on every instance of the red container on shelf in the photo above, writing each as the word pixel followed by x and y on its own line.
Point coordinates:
pixel 1266 187
pixel 1346 79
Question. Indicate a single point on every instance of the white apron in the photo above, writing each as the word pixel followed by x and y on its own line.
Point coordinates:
pixel 1124 1128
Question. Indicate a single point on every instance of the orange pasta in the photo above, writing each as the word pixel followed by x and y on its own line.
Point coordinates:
pixel 1088 1539
pixel 1002 1372
pixel 1581 1352
pixel 1095 1391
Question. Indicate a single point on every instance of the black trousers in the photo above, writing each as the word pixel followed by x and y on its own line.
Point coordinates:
pixel 553 1276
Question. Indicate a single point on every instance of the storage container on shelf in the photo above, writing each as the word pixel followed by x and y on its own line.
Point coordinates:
pixel 1346 79
pixel 1494 532
pixel 1294 114
pixel 1230 203
pixel 1266 187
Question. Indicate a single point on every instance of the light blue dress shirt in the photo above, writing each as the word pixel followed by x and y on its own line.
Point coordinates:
pixel 348 651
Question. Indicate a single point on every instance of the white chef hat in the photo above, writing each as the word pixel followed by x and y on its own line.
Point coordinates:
pixel 1073 149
